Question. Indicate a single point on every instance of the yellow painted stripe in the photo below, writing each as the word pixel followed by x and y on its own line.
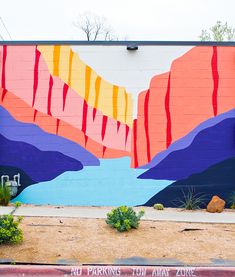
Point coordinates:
pixel 87 80
pixel 115 98
pixel 70 67
pixel 56 60
pixel 67 65
pixel 97 91
pixel 126 107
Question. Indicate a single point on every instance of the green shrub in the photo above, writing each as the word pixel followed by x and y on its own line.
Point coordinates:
pixel 18 204
pixel 9 230
pixel 5 195
pixel 158 206
pixel 191 200
pixel 124 218
pixel 231 200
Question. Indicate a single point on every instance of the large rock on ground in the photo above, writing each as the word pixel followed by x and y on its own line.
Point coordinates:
pixel 216 205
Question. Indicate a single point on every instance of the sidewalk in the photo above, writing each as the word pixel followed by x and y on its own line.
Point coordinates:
pixel 227 217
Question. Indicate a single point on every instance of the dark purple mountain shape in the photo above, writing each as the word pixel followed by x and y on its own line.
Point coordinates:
pixel 218 180
pixel 32 134
pixel 210 146
pixel 25 180
pixel 38 165
pixel 188 139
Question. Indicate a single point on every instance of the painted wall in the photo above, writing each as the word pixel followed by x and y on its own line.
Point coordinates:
pixel 98 125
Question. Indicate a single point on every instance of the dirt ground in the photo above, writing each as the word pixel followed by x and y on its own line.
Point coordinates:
pixel 50 240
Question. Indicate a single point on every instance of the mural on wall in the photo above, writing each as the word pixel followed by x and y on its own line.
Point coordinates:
pixel 75 140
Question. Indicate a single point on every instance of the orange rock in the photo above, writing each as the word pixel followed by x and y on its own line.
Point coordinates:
pixel 216 205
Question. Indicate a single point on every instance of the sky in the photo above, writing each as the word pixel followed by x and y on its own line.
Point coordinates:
pixel 130 19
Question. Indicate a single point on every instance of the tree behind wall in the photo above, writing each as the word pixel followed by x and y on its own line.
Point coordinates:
pixel 95 27
pixel 218 32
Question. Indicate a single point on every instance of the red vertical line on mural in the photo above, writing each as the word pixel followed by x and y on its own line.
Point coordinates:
pixel 4 57
pixel 56 60
pixel 57 125
pixel 85 103
pixel 126 106
pixel 146 124
pixel 104 124
pixel 135 143
pixel 86 139
pixel 127 133
pixel 97 93
pixel 118 125
pixel 104 149
pixel 34 115
pixel 94 113
pixel 49 95
pixel 4 92
pixel 65 91
pixel 84 116
pixel 35 79
pixel 115 101
pixel 87 82
pixel 168 114
pixel 215 74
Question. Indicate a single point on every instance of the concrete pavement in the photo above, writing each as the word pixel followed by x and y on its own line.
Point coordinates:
pixel 228 216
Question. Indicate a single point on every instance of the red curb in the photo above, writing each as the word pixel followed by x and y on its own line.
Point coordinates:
pixel 134 271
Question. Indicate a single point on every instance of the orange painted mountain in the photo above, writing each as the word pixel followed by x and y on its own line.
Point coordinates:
pixel 200 85
pixel 35 90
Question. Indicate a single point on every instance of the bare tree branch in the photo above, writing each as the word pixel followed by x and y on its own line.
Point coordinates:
pixel 95 27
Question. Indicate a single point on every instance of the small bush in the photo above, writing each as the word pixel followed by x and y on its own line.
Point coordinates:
pixel 5 195
pixel 191 200
pixel 9 230
pixel 158 206
pixel 18 204
pixel 124 218
pixel 231 200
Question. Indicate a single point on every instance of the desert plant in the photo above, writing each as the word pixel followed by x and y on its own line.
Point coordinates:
pixel 5 195
pixel 191 200
pixel 18 204
pixel 124 218
pixel 231 200
pixel 9 229
pixel 158 206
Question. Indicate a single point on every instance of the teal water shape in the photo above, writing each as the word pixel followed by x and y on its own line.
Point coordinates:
pixel 113 183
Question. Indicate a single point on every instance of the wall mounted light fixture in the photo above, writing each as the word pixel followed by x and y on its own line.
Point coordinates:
pixel 132 47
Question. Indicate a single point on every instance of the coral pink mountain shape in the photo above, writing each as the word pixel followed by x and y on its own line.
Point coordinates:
pixel 200 85
pixel 24 74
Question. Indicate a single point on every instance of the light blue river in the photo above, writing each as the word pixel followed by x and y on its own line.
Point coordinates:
pixel 113 183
